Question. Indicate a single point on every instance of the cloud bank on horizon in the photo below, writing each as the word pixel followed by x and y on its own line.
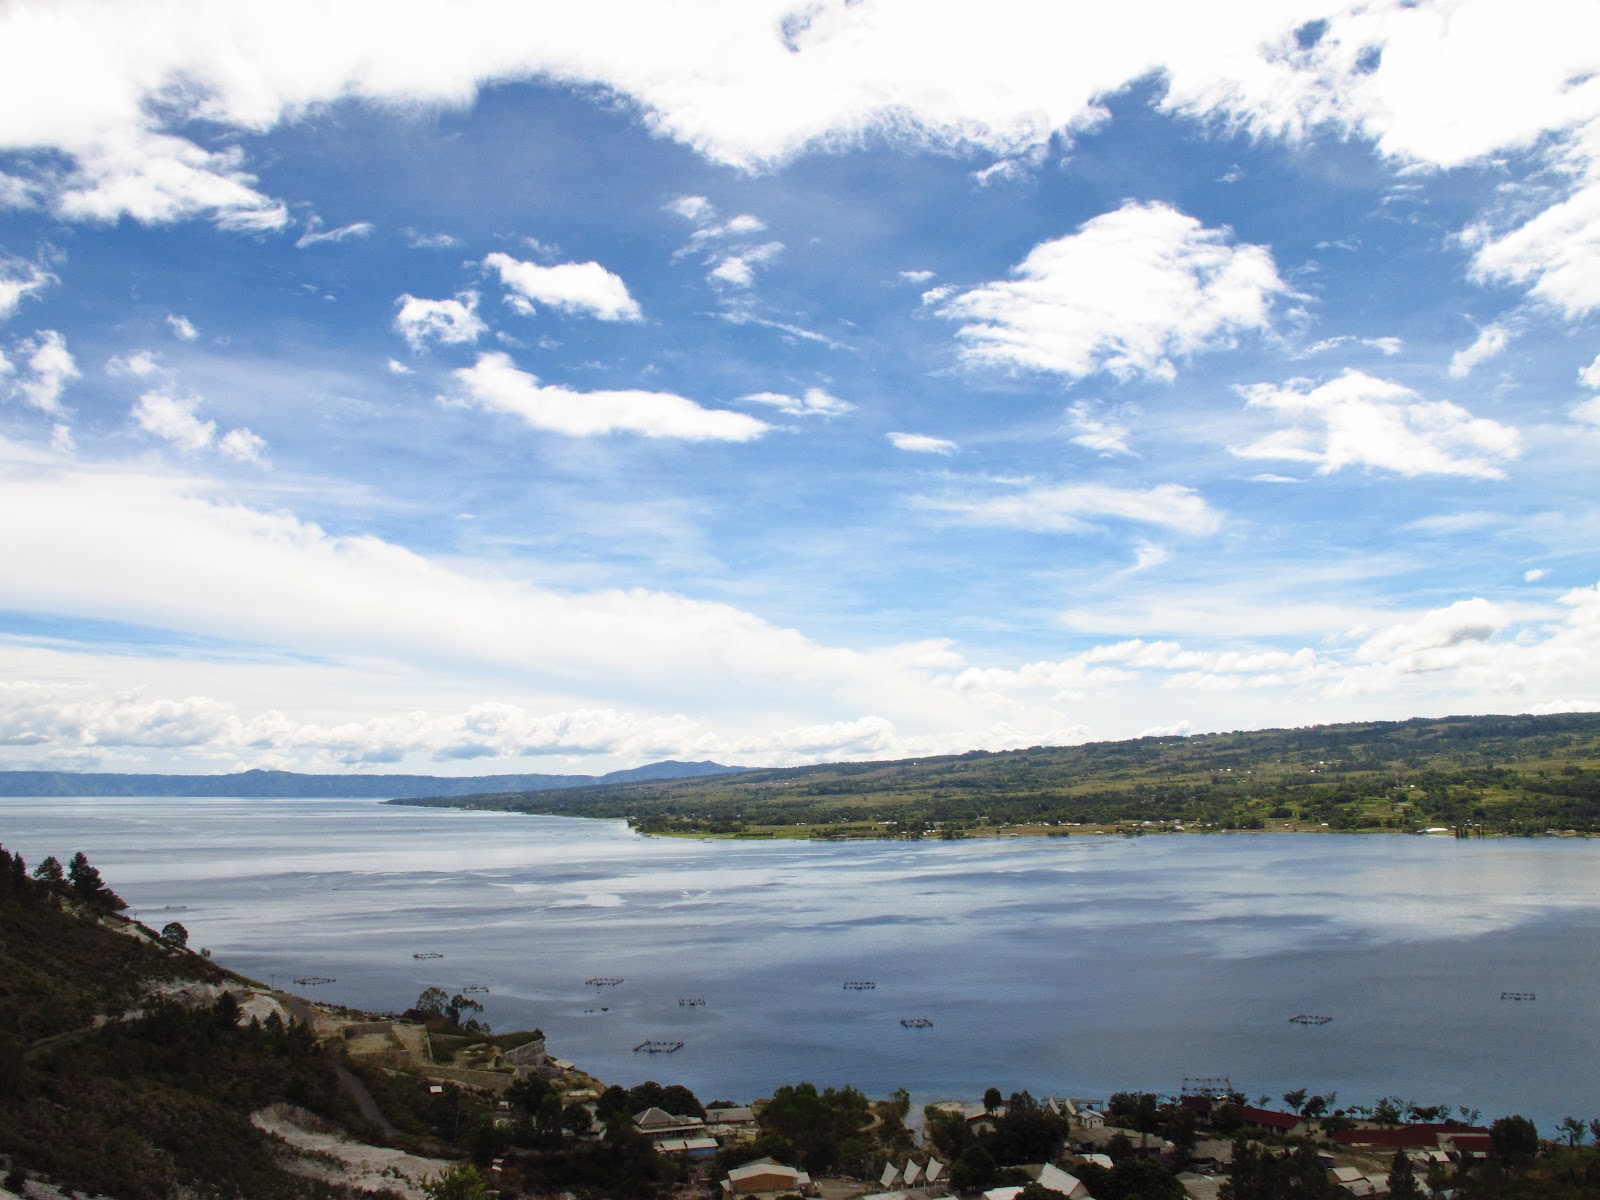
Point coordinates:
pixel 463 387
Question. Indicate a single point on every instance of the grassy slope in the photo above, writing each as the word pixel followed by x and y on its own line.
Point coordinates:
pixel 1502 774
pixel 150 1106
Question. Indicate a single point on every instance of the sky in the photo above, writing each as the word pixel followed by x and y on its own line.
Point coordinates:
pixel 484 387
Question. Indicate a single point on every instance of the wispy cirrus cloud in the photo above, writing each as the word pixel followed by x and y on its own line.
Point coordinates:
pixel 1078 507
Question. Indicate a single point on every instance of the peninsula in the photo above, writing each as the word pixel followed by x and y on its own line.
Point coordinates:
pixel 1461 776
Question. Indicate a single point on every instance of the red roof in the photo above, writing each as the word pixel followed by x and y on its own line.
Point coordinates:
pixel 1268 1118
pixel 1472 1143
pixel 1419 1135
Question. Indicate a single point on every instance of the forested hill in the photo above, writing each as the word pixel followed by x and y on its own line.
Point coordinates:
pixel 1510 774
pixel 290 784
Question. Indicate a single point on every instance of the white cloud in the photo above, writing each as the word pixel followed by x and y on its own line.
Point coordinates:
pixel 158 179
pixel 1534 575
pixel 1389 346
pixel 495 384
pixel 165 413
pixel 1492 341
pixel 50 368
pixel 693 208
pixel 396 367
pixel 139 365
pixel 61 439
pixel 19 279
pixel 1072 508
pixel 815 403
pixel 916 276
pixel 1587 411
pixel 315 233
pixel 739 270
pixel 171 418
pixel 182 328
pixel 452 322
pixel 244 446
pixel 1590 376
pixel 571 287
pixel 922 443
pixel 1358 420
pixel 1092 433
pixel 1128 292
pixel 431 241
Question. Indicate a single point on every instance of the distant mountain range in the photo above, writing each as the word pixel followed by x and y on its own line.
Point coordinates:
pixel 291 784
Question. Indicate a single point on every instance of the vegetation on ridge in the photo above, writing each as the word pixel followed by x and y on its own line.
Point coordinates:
pixel 1477 775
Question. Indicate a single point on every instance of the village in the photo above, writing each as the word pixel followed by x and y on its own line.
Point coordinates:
pixel 514 1108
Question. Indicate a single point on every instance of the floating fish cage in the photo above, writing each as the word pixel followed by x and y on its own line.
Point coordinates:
pixel 602 981
pixel 916 1022
pixel 658 1047
pixel 1518 996
pixel 314 980
pixel 860 985
pixel 475 989
pixel 1309 1019
pixel 692 1001
pixel 428 954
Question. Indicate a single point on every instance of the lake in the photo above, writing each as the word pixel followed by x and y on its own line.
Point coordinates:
pixel 1066 966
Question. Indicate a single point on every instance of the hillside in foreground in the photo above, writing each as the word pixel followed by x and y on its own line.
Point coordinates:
pixel 1473 775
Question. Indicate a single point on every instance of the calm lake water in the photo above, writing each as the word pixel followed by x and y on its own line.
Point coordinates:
pixel 1069 967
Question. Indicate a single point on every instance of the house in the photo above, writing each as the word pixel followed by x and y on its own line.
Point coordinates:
pixel 1089 1119
pixel 766 1177
pixel 1054 1178
pixel 700 1147
pixel 734 1117
pixel 1287 1124
pixel 1352 1180
pixel 656 1124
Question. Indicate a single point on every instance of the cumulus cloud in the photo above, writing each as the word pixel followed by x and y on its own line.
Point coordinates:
pixel 164 412
pixel 571 287
pixel 495 384
pixel 921 443
pixel 1104 437
pixel 1388 346
pixel 315 234
pixel 182 328
pixel 1590 376
pixel 396 367
pixel 1358 420
pixel 1534 574
pixel 918 277
pixel 1073 508
pixel 1127 293
pixel 1492 341
pixel 452 322
pixel 814 403
pixel 51 368
pixel 18 280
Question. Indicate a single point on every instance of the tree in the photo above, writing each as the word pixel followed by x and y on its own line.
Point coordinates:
pixel 1403 1178
pixel 174 934
pixel 432 1001
pixel 89 888
pixel 460 1182
pixel 1295 1099
pixel 1594 1128
pixel 49 871
pixel 1513 1139
pixel 992 1099
pixel 1573 1129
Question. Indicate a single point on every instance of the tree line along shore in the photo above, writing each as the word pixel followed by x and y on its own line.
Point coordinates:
pixel 135 1068
pixel 1456 776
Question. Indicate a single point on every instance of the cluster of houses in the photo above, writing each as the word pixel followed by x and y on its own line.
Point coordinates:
pixel 1426 1145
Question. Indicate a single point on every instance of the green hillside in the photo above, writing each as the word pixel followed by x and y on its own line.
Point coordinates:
pixel 1477 775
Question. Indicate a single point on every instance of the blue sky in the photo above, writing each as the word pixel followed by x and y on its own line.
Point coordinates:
pixel 470 388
